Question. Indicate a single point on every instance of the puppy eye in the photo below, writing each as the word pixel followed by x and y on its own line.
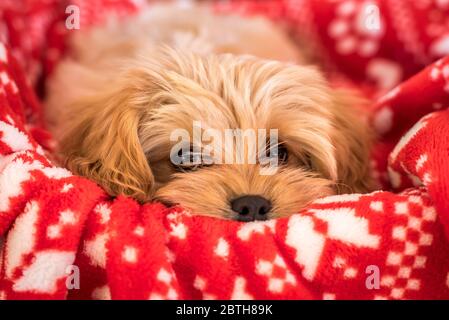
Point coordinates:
pixel 279 151
pixel 190 160
pixel 282 154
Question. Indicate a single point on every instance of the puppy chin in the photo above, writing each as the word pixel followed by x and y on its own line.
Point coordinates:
pixel 209 192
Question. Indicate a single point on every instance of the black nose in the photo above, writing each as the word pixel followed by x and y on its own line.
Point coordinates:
pixel 250 208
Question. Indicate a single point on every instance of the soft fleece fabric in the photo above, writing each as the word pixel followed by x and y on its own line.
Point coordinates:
pixel 51 220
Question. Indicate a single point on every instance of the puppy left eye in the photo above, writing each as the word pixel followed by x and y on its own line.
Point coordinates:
pixel 282 154
pixel 280 151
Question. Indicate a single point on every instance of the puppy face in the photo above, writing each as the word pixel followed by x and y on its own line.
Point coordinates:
pixel 122 137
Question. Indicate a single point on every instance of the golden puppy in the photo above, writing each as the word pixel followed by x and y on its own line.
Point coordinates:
pixel 126 99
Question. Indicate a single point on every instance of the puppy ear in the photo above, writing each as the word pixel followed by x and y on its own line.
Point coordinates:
pixel 103 144
pixel 352 140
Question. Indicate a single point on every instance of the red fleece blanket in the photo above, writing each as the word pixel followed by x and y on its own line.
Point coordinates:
pixel 57 228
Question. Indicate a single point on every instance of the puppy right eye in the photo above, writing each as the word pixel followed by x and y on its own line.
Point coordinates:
pixel 189 160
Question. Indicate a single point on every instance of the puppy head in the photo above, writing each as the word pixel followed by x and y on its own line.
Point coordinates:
pixel 123 137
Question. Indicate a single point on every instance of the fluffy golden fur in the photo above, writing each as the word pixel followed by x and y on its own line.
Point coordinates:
pixel 121 117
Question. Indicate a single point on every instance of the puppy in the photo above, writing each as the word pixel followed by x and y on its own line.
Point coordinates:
pixel 129 86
